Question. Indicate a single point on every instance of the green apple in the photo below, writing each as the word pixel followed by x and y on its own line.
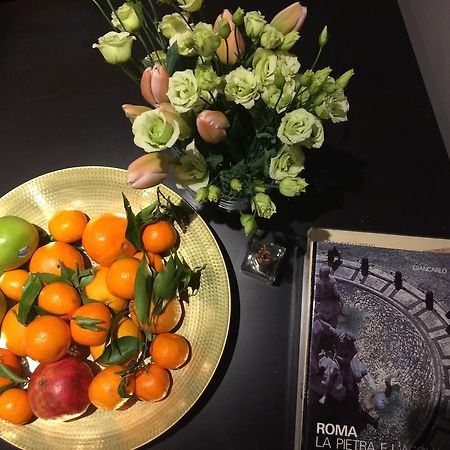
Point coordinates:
pixel 18 241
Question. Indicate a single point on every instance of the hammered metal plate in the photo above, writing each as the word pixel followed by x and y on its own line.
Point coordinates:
pixel 95 190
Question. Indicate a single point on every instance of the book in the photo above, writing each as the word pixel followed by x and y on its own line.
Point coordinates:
pixel 374 350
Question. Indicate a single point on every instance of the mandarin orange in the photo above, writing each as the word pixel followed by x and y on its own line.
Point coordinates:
pixel 15 407
pixel 159 237
pixel 67 225
pixel 104 388
pixel 47 339
pixel 11 283
pixel 90 324
pixel 169 350
pixel 48 258
pixel 152 383
pixel 104 239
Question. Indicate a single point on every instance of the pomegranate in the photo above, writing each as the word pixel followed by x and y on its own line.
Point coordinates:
pixel 59 390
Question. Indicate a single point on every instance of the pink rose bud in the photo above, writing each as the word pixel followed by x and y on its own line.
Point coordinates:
pixel 155 84
pixel 147 171
pixel 211 126
pixel 132 111
pixel 229 54
pixel 290 18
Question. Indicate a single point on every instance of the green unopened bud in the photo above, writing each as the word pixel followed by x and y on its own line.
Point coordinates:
pixel 259 187
pixel 238 16
pixel 236 184
pixel 249 224
pixel 202 193
pixel 323 38
pixel 224 29
pixel 214 193
pixel 320 99
pixel 306 78
pixel 279 80
pixel 344 79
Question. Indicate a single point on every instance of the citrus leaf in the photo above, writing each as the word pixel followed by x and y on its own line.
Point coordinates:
pixel 66 272
pixel 165 284
pixel 48 278
pixel 6 372
pixel 132 232
pixel 147 214
pixel 142 289
pixel 31 289
pixel 122 386
pixel 88 323
pixel 121 350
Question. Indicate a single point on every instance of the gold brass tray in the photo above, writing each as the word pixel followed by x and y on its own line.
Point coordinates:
pixel 95 190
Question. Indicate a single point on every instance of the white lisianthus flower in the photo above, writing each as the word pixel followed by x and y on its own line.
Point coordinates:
pixel 242 87
pixel 115 47
pixel 207 78
pixel 301 127
pixel 289 40
pixel 334 107
pixel 205 39
pixel 191 170
pixel 254 23
pixel 185 42
pixel 288 64
pixel 291 187
pixel 172 24
pixel 263 205
pixel 289 162
pixel 271 38
pixel 190 5
pixel 277 98
pixel 183 90
pixel 265 70
pixel 127 17
pixel 153 130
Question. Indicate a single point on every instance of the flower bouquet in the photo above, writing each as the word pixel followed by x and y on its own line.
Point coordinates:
pixel 228 96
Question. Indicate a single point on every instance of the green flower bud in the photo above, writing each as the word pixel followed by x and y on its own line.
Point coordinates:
pixel 291 187
pixel 202 194
pixel 127 17
pixel 254 24
pixel 249 224
pixel 323 38
pixel 344 79
pixel 263 205
pixel 238 16
pixel 289 40
pixel 259 187
pixel 214 193
pixel 271 38
pixel 236 184
pixel 224 28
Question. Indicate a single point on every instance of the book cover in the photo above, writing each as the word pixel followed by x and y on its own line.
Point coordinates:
pixel 375 343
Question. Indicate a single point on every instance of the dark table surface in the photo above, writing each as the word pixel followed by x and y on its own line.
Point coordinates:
pixel 386 170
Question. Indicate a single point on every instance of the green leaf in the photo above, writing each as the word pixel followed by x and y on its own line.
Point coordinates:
pixel 166 282
pixel 176 62
pixel 121 350
pixel 48 278
pixel 147 214
pixel 122 388
pixel 89 323
pixel 132 232
pixel 31 289
pixel 6 372
pixel 66 272
pixel 214 160
pixel 142 289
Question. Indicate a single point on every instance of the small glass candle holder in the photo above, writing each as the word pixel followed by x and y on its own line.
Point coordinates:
pixel 262 260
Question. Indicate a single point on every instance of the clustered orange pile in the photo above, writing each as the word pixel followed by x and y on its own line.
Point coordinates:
pixel 49 337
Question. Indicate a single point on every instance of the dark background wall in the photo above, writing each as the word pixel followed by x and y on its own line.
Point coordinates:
pixel 428 28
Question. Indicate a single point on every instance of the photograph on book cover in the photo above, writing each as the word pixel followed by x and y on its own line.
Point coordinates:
pixel 377 350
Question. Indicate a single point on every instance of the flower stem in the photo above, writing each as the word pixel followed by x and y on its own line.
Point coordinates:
pixel 102 11
pixel 317 58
